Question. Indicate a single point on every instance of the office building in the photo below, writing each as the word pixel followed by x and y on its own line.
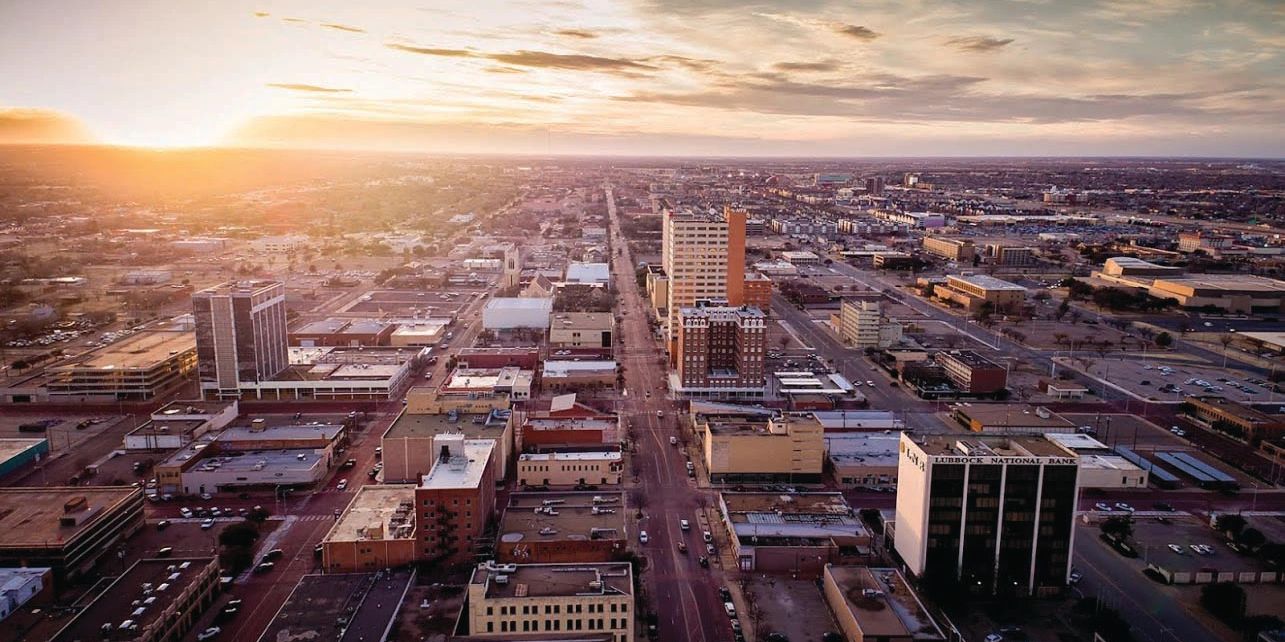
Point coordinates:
pixel 67 528
pixel 877 605
pixel 409 443
pixel 862 324
pixel 1011 255
pixel 558 601
pixel 874 185
pixel 1243 421
pixel 376 531
pixel 694 254
pixel 971 292
pixel 991 515
pixel 958 250
pixel 735 271
pixel 972 373
pixel 758 292
pixel 240 335
pixel 456 498
pixel 155 600
pixel 570 468
pixel 796 533
pixel 581 330
pixel 1233 293
pixel 788 448
pixel 720 351
pixel 1206 242
pixel 552 528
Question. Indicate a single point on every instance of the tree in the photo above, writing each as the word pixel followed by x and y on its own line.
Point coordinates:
pixel 1164 340
pixel 1252 538
pixel 1119 527
pixel 1062 309
pixel 1224 600
pixel 1229 524
pixel 239 534
pixel 1226 340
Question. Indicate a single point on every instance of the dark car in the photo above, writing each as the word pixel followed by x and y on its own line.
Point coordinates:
pixel 724 593
pixel 264 567
pixel 1164 506
pixel 274 554
pixel 704 562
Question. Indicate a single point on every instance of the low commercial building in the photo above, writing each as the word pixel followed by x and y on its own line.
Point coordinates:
pixel 892 260
pixel 22 586
pixel 178 423
pixel 657 288
pixel 803 257
pixel 343 332
pixel 1011 255
pixel 1128 266
pixel 16 454
pixel 370 604
pixel 418 333
pixel 958 250
pixel 597 273
pixel 920 220
pixel 257 456
pixel 567 376
pixel 155 600
pixel 863 459
pixel 578 468
pixel 410 447
pixel 67 528
pixel 376 531
pixel 788 448
pixel 537 601
pixel 581 330
pixel 972 291
pixel 550 528
pixel 841 421
pixel 795 533
pixel 1011 419
pixel 526 358
pixel 1243 421
pixel 140 367
pixel 567 425
pixel 456 499
pixel 972 373
pixel 877 605
pixel 337 374
pixel 1234 293
pixel 473 383
pixel 511 313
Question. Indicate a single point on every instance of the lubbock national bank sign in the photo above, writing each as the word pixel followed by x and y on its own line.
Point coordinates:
pixel 919 459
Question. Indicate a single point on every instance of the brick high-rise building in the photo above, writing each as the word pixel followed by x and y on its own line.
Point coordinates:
pixel 240 335
pixel 703 255
pixel 720 351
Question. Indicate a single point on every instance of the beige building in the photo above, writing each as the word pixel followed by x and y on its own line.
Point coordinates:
pixel 694 255
pixel 1236 293
pixel 142 366
pixel 598 468
pixel 376 531
pixel 423 400
pixel 657 287
pixel 959 250
pixel 787 448
pixel 861 324
pixel 877 605
pixel 970 292
pixel 581 329
pixel 410 448
pixel 559 600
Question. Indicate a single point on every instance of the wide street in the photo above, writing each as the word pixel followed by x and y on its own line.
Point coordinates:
pixel 684 594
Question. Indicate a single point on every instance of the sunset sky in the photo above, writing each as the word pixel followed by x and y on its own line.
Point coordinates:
pixel 808 77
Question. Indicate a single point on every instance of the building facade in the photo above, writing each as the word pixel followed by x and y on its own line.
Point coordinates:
pixel 958 250
pixel 376 531
pixel 721 350
pixel 989 515
pixel 560 600
pixel 971 372
pixel 597 468
pixel 789 449
pixel 456 499
pixel 240 335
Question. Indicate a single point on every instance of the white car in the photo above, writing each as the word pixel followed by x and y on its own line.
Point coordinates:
pixel 1102 507
pixel 206 496
pixel 343 484
pixel 682 524
pixel 707 536
pixel 185 512
pixel 870 383
pixel 208 633
pixel 1177 549
pixel 1124 507
pixel 730 609
pixel 207 524
pixel 642 537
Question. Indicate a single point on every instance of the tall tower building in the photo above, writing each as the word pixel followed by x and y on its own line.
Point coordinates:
pixel 735 255
pixel 240 335
pixel 694 253
pixel 512 266
pixel 991 515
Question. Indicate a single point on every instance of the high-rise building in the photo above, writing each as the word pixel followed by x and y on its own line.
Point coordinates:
pixel 694 254
pixel 991 515
pixel 240 335
pixel 859 322
pixel 720 351
pixel 735 254
pixel 874 185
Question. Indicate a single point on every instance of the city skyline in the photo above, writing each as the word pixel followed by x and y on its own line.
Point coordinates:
pixel 809 78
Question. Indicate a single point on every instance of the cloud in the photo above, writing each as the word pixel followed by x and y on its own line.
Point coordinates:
pixel 309 88
pixel 298 21
pixel 692 64
pixel 574 62
pixel 261 14
pixel 504 70
pixel 20 126
pixel 432 51
pixel 339 27
pixel 856 31
pixel 824 65
pixel 577 33
pixel 979 44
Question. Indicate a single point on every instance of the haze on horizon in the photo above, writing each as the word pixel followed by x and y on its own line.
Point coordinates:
pixel 656 77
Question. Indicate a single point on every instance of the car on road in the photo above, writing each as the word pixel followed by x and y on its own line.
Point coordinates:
pixel 1075 577
pixel 379 452
pixel 730 609
pixel 1102 507
pixel 725 593
pixel 682 547
pixel 673 441
pixel 206 496
pixel 642 537
pixel 264 567
pixel 660 413
pixel 707 536
pixel 1177 549
pixel 704 561
pixel 1124 507
pixel 709 548
pixel 343 484
pixel 274 554
pixel 684 525
pixel 163 524
pixel 209 633
pixel 870 383
pixel 165 552
pixel 994 637
pixel 207 524
pixel 1164 506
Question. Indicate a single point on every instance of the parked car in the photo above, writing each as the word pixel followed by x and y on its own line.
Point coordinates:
pixel 730 609
pixel 264 567
pixel 207 524
pixel 1102 507
pixel 209 633
pixel 1124 507
pixel 163 524
pixel 642 537
pixel 683 525
pixel 1075 577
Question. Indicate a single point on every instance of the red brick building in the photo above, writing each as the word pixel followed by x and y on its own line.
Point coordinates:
pixel 454 501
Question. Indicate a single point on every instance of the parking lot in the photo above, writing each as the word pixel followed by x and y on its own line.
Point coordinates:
pixel 1170 380
pixel 795 608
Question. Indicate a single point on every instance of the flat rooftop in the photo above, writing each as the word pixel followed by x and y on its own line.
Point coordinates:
pixel 136 352
pixel 258 460
pixel 582 321
pixel 12 447
pixel 462 471
pixel 557 580
pixel 30 516
pixel 315 605
pixel 324 326
pixel 573 517
pixel 377 512
pixel 483 379
pixel 168 427
pixel 116 604
pixel 883 604
pixel 969 358
pixel 863 448
pixel 1229 282
pixel 474 426
pixel 192 407
pixel 286 433
pixel 520 303
pixel 591 455
pixel 987 446
pixel 1077 441
pixel 745 504
pixel 988 282
pixel 240 287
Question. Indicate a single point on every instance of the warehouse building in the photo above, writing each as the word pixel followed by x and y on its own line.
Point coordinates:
pixel 551 528
pixel 67 528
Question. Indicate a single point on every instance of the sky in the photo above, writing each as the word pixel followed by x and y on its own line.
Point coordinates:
pixel 652 77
